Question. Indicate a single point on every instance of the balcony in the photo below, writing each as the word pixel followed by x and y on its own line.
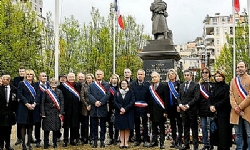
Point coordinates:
pixel 209 37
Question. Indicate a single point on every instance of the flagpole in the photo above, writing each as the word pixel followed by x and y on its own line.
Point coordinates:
pixel 248 13
pixel 233 11
pixel 114 15
pixel 56 38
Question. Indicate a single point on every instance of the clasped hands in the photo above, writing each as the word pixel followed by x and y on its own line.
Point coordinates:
pixel 122 111
pixel 238 111
pixel 30 106
pixel 184 107
pixel 97 103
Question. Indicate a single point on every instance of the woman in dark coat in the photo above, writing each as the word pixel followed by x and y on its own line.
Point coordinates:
pixel 26 113
pixel 52 109
pixel 124 113
pixel 220 105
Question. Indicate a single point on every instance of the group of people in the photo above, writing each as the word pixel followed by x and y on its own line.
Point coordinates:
pixel 129 106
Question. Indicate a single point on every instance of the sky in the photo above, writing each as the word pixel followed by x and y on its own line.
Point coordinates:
pixel 185 17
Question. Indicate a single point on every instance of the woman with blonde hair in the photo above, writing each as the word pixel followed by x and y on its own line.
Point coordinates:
pixel 27 113
pixel 173 111
pixel 206 86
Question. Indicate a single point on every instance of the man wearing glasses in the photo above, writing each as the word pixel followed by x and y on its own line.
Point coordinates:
pixel 188 97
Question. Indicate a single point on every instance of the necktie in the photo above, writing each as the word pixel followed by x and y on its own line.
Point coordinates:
pixel 155 86
pixel 6 95
pixel 186 87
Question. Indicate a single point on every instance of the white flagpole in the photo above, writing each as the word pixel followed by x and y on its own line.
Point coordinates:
pixel 234 53
pixel 114 39
pixel 248 13
pixel 56 38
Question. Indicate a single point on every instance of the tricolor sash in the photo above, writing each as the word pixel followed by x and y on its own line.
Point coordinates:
pixel 141 104
pixel 30 88
pixel 100 88
pixel 112 90
pixel 241 90
pixel 71 89
pixel 42 88
pixel 54 98
pixel 156 97
pixel 173 90
pixel 204 92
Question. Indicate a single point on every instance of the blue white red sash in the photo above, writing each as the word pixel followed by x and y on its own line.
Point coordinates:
pixel 112 90
pixel 30 88
pixel 42 88
pixel 241 90
pixel 173 90
pixel 141 104
pixel 204 91
pixel 54 98
pixel 156 97
pixel 71 89
pixel 100 88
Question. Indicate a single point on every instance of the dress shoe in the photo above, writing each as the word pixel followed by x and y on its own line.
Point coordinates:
pixel 65 144
pixel 94 145
pixel 29 147
pixel 184 148
pixel 19 141
pixel 195 148
pixel 73 143
pixel 121 147
pixel 102 145
pixel 24 147
pixel 137 143
pixel 145 144
pixel 9 148
pixel 162 146
pixel 153 144
pixel 55 146
pixel 126 146
pixel 46 147
pixel 38 144
pixel 172 145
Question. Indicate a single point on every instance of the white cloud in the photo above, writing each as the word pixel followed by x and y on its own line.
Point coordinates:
pixel 185 16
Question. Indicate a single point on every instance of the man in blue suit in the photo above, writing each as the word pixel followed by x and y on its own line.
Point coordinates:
pixel 98 94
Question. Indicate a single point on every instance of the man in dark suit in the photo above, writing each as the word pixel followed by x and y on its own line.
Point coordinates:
pixel 40 87
pixel 141 91
pixel 72 104
pixel 188 98
pixel 18 79
pixel 157 109
pixel 8 105
pixel 98 94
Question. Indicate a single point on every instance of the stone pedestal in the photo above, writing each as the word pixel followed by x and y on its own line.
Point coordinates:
pixel 159 56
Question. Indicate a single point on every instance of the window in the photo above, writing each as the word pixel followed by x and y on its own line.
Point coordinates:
pixel 218 41
pixel 214 20
pixel 217 30
pixel 225 30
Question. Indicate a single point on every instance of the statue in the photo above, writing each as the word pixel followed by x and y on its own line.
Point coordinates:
pixel 159 14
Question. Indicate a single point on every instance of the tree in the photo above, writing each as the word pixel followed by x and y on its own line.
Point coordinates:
pixel 225 60
pixel 20 38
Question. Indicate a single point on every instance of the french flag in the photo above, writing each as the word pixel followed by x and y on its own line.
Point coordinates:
pixel 117 9
pixel 236 4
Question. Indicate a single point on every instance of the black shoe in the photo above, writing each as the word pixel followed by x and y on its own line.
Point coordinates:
pixel 172 145
pixel 126 146
pixel 111 141
pixel 195 148
pixel 46 147
pixel 94 145
pixel 102 145
pixel 145 144
pixel 73 143
pixel 24 147
pixel 33 140
pixel 162 146
pixel 137 143
pixel 19 141
pixel 65 144
pixel 29 147
pixel 55 146
pixel 184 148
pixel 9 148
pixel 38 144
pixel 153 144
pixel 121 147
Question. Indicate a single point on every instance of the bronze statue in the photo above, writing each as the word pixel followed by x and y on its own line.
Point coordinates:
pixel 159 14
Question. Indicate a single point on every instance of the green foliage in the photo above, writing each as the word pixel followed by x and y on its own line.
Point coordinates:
pixel 225 60
pixel 20 38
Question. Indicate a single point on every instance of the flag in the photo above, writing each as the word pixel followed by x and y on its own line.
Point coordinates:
pixel 236 5
pixel 119 16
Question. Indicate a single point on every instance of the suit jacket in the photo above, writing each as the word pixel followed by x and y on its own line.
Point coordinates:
pixel 191 97
pixel 95 95
pixel 236 99
pixel 156 111
pixel 7 112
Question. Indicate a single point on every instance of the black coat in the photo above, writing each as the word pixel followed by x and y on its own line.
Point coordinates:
pixel 155 110
pixel 51 122
pixel 111 108
pixel 172 109
pixel 24 115
pixel 220 99
pixel 126 120
pixel 203 105
pixel 141 94
pixel 7 112
pixel 72 106
pixel 191 97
